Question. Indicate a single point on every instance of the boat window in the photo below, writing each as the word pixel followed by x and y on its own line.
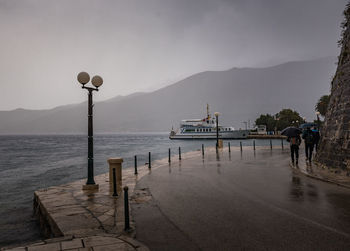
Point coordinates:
pixel 209 130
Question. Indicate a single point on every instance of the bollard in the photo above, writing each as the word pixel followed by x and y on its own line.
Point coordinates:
pixel 270 144
pixel 179 153
pixel 169 160
pixel 202 149
pixel 229 147
pixel 282 143
pixel 115 193
pixel 221 143
pixel 240 144
pixel 126 209
pixel 254 145
pixel 135 164
pixel 149 160
pixel 115 164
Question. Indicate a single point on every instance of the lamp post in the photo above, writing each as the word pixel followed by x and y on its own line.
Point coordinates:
pixel 96 81
pixel 318 119
pixel 217 128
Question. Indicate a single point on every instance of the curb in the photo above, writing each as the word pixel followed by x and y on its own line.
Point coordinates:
pixel 319 178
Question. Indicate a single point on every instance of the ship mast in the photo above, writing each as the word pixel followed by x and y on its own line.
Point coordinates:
pixel 208 115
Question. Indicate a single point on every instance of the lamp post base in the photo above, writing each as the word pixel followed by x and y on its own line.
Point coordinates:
pixel 90 187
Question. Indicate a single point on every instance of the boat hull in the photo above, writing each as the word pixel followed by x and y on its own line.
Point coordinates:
pixel 239 134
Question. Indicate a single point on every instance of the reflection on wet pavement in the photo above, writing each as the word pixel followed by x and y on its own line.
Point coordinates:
pixel 245 200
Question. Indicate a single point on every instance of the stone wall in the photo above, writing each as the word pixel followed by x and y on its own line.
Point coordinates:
pixel 334 148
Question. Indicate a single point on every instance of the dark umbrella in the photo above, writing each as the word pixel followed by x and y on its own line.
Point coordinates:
pixel 306 125
pixel 291 131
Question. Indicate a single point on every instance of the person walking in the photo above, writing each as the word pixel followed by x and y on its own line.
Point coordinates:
pixel 309 139
pixel 294 148
pixel 317 137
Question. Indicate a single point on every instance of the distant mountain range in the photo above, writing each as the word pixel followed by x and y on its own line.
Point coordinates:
pixel 239 94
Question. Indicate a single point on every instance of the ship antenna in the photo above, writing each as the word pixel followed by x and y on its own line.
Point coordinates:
pixel 208 115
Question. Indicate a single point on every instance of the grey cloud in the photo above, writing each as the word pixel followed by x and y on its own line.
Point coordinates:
pixel 137 45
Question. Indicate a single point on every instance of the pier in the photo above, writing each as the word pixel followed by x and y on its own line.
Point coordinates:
pixel 224 191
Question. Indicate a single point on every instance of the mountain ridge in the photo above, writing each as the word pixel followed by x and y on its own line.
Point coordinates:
pixel 238 93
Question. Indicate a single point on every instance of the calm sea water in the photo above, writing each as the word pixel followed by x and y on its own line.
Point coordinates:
pixel 32 162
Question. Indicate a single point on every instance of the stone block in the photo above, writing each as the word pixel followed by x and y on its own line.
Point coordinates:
pixel 76 243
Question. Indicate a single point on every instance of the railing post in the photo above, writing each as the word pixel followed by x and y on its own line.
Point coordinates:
pixel 270 144
pixel 115 193
pixel 149 160
pixel 179 153
pixel 115 165
pixel 135 158
pixel 203 150
pixel 282 144
pixel 240 144
pixel 169 160
pixel 254 145
pixel 126 208
pixel 229 147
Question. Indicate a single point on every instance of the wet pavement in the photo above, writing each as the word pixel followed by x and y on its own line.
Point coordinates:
pixel 240 201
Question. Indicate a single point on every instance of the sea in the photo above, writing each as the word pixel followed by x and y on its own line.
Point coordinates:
pixel 32 162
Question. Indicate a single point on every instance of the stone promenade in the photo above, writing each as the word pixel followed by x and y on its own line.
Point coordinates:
pixel 76 219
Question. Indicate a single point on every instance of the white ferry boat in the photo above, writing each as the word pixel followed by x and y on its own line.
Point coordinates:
pixel 206 129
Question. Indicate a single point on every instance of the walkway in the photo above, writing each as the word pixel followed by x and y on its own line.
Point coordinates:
pixel 240 201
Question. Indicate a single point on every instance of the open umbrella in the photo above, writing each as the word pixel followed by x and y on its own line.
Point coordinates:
pixel 306 125
pixel 291 131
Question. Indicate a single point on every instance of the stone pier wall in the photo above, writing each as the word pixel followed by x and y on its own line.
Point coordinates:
pixel 48 227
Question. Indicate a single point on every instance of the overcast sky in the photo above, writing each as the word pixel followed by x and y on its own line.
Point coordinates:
pixel 141 45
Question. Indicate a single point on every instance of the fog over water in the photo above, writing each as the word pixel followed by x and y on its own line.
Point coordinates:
pixel 143 45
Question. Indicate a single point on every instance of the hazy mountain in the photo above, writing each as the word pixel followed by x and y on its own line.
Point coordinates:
pixel 239 94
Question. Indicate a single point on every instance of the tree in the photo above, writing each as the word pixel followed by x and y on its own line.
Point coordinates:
pixel 267 120
pixel 288 117
pixel 322 105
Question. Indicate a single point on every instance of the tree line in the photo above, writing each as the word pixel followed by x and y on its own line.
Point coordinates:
pixel 288 117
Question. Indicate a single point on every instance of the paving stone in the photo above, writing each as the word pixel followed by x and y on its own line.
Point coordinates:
pixel 143 248
pixel 57 239
pixel 110 212
pixel 76 243
pixel 109 222
pixel 100 240
pixel 46 247
pixel 104 217
pixel 16 249
pixel 114 247
pixel 131 241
